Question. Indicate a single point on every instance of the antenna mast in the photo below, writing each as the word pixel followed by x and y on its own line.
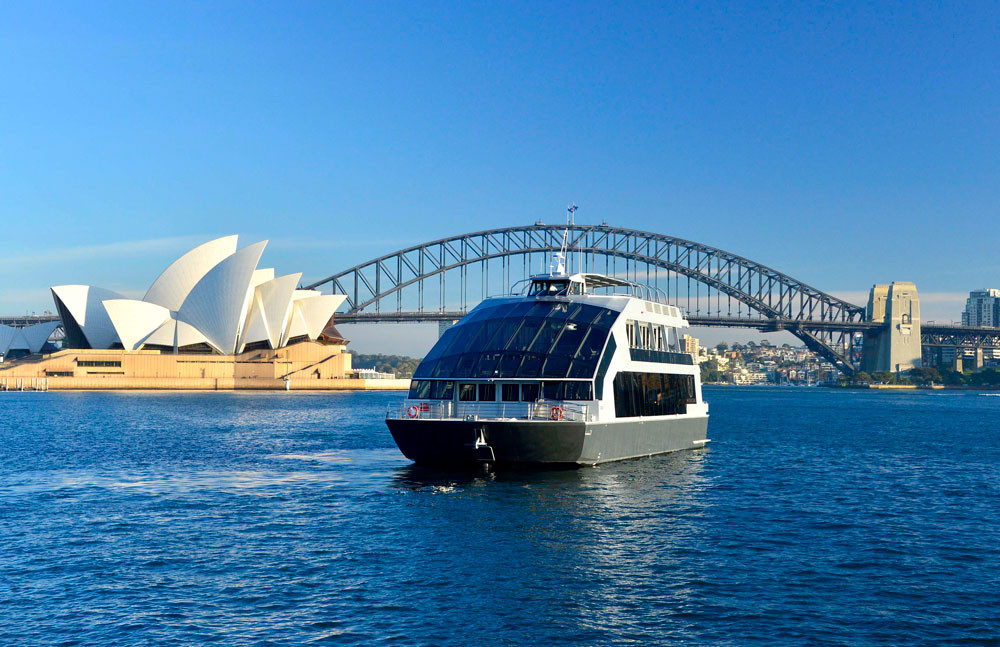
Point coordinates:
pixel 559 259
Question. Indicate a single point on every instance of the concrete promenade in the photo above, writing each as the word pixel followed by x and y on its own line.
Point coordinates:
pixel 306 366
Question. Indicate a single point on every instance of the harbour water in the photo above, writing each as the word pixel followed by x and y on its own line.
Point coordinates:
pixel 814 517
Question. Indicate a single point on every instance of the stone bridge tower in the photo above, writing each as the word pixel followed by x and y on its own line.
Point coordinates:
pixel 896 346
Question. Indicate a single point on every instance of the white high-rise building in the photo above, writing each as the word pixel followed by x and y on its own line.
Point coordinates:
pixel 982 309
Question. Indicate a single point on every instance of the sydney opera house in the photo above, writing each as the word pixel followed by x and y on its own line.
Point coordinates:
pixel 212 320
pixel 214 298
pixel 29 340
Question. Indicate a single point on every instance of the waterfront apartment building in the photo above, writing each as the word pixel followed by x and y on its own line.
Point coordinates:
pixel 982 309
pixel 690 344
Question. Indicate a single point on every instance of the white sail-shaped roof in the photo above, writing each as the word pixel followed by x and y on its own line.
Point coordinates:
pixel 296 325
pixel 216 305
pixel 311 313
pixel 255 329
pixel 172 287
pixel 212 295
pixel 174 334
pixel 19 343
pixel 135 320
pixel 276 300
pixel 29 338
pixel 37 335
pixel 317 311
pixel 270 311
pixel 188 335
pixel 7 336
pixel 162 336
pixel 84 303
pixel 262 276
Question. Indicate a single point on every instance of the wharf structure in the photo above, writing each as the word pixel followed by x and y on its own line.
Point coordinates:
pixel 212 320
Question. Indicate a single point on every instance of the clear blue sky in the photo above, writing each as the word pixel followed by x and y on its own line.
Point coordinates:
pixel 843 145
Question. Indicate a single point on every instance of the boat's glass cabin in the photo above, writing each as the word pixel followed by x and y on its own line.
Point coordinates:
pixel 522 339
pixel 554 287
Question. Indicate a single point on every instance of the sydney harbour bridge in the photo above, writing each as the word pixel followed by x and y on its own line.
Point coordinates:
pixel 441 280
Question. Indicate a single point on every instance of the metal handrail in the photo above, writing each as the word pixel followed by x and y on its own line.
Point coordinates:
pixel 554 410
pixel 630 288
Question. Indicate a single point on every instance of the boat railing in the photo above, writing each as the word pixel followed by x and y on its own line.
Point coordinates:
pixel 626 288
pixel 554 410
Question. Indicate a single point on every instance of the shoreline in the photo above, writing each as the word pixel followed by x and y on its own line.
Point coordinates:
pixel 868 387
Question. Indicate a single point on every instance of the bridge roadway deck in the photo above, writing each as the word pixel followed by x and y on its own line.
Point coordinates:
pixel 764 325
pixel 933 334
pixel 19 321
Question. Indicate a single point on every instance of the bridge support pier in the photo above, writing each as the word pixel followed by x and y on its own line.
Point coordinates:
pixel 896 346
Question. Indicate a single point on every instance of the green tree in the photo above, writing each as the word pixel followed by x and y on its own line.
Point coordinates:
pixel 989 377
pixel 951 378
pixel 925 376
pixel 710 372
pixel 723 347
pixel 862 378
pixel 401 365
pixel 885 377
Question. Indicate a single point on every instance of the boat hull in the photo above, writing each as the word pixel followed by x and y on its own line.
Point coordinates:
pixel 453 442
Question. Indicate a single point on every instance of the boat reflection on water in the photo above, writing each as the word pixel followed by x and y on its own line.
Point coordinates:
pixel 670 474
pixel 596 554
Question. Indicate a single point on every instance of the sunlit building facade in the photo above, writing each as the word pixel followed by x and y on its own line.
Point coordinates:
pixel 982 308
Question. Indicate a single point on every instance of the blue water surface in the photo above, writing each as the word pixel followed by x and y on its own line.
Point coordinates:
pixel 814 517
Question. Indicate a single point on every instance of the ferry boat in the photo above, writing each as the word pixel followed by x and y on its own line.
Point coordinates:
pixel 574 370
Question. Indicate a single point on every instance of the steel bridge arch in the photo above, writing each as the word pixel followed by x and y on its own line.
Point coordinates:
pixel 771 294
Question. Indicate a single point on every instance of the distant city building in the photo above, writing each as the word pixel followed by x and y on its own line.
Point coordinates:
pixel 690 344
pixel 212 299
pixel 982 309
pixel 373 374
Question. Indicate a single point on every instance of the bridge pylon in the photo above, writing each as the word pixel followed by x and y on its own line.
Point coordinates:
pixel 895 346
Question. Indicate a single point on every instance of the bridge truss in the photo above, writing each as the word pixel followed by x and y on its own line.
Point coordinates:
pixel 439 280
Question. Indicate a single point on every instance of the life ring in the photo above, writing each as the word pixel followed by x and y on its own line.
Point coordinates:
pixel 413 411
pixel 556 413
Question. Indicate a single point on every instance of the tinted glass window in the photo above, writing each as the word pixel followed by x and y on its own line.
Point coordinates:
pixel 467 392
pixel 445 367
pixel 526 333
pixel 465 364
pixel 529 392
pixel 442 390
pixel 531 365
pixel 552 390
pixel 522 339
pixel 487 392
pixel 420 389
pixel 487 364
pixel 555 366
pixel 547 335
pixel 510 392
pixel 577 391
pixel 652 394
pixel 602 369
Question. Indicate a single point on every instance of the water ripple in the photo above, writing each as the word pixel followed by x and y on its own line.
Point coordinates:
pixel 815 518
